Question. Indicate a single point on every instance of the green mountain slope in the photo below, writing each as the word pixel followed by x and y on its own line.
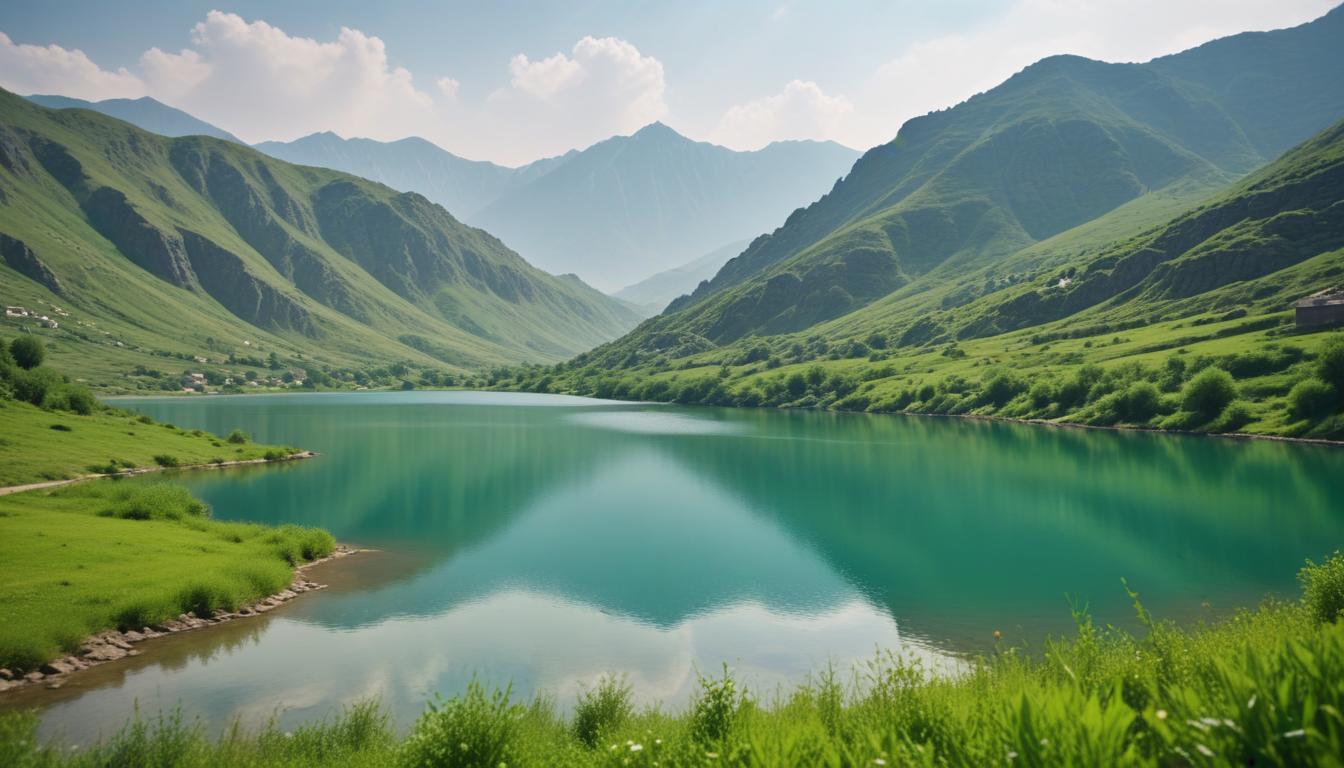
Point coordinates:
pixel 1066 142
pixel 151 114
pixel 175 246
pixel 632 206
pixel 413 165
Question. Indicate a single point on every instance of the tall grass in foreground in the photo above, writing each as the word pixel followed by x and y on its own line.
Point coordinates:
pixel 1264 687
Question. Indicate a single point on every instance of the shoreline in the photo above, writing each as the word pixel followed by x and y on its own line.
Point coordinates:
pixel 113 645
pixel 7 490
pixel 984 417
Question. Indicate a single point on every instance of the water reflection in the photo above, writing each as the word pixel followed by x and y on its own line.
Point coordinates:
pixel 547 545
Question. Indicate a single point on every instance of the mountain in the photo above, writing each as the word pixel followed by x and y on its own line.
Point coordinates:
pixel 170 247
pixel 632 206
pixel 152 115
pixel 653 293
pixel 1065 156
pixel 413 164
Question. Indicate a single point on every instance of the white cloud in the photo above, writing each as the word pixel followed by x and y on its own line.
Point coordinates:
pixel 28 69
pixel 800 111
pixel 604 86
pixel 942 71
pixel 448 87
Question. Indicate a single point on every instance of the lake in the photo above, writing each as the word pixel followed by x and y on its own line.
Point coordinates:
pixel 545 540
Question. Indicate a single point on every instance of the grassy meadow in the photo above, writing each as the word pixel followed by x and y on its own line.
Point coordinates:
pixel 126 554
pixel 120 553
pixel 1263 687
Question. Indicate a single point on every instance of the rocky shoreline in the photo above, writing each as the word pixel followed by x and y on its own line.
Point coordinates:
pixel 113 645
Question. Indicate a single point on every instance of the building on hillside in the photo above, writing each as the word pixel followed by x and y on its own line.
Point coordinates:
pixel 15 312
pixel 46 322
pixel 1323 308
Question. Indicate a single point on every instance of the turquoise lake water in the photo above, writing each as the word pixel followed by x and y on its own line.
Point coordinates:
pixel 546 540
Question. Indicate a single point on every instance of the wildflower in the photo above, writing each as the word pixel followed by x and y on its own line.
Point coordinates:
pixel 658 742
pixel 636 747
pixel 998 635
pixel 1203 750
pixel 879 761
pixel 1251 704
pixel 1045 742
pixel 1011 756
pixel 1299 733
pixel 1161 714
pixel 712 755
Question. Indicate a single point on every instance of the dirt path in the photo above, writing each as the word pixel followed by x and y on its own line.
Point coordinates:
pixel 146 470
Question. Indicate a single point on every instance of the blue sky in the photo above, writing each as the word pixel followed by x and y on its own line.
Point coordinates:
pixel 513 81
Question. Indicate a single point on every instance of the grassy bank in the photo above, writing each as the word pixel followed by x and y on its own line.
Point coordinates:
pixel 127 554
pixel 115 553
pixel 1209 374
pixel 1264 687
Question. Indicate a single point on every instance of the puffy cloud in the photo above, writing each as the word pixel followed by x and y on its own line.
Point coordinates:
pixel 448 87
pixel 27 69
pixel 602 87
pixel 800 111
pixel 262 83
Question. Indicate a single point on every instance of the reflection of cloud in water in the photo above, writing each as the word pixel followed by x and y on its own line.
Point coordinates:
pixel 656 423
pixel 537 642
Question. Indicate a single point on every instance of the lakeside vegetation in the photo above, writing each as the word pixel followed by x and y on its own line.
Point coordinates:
pixel 1262 687
pixel 116 553
pixel 128 554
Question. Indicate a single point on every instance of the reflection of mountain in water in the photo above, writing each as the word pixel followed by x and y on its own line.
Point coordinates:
pixel 955 527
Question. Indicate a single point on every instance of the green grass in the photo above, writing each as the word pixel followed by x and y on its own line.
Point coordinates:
pixel 33 449
pixel 1263 687
pixel 126 554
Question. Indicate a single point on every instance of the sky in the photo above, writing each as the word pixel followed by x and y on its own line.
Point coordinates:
pixel 512 81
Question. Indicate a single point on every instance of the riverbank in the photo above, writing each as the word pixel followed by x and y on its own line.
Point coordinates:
pixel 1259 688
pixel 114 645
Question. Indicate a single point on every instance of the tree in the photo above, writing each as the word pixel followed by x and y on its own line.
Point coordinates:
pixel 28 352
pixel 1329 363
pixel 1310 398
pixel 1209 392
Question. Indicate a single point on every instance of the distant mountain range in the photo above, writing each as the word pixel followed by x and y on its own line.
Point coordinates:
pixel 174 246
pixel 462 186
pixel 615 213
pixel 152 115
pixel 632 206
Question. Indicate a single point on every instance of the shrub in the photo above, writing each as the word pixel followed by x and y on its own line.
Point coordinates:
pixel 1000 388
pixel 32 386
pixel 27 351
pixel 62 427
pixel 1209 392
pixel 167 460
pixel 152 501
pixel 238 437
pixel 716 708
pixel 70 397
pixel 1235 416
pixel 1330 362
pixel 1140 402
pixel 473 729
pixel 602 710
pixel 1310 399
pixel 1323 587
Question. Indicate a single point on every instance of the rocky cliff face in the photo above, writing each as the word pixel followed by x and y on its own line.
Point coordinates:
pixel 20 258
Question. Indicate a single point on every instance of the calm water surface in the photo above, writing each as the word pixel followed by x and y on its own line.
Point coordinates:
pixel 546 540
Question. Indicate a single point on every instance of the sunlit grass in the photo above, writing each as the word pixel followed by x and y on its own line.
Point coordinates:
pixel 1263 687
pixel 128 553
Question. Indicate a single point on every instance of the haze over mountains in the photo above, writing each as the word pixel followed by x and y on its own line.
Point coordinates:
pixel 1034 175
pixel 615 213
pixel 164 244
